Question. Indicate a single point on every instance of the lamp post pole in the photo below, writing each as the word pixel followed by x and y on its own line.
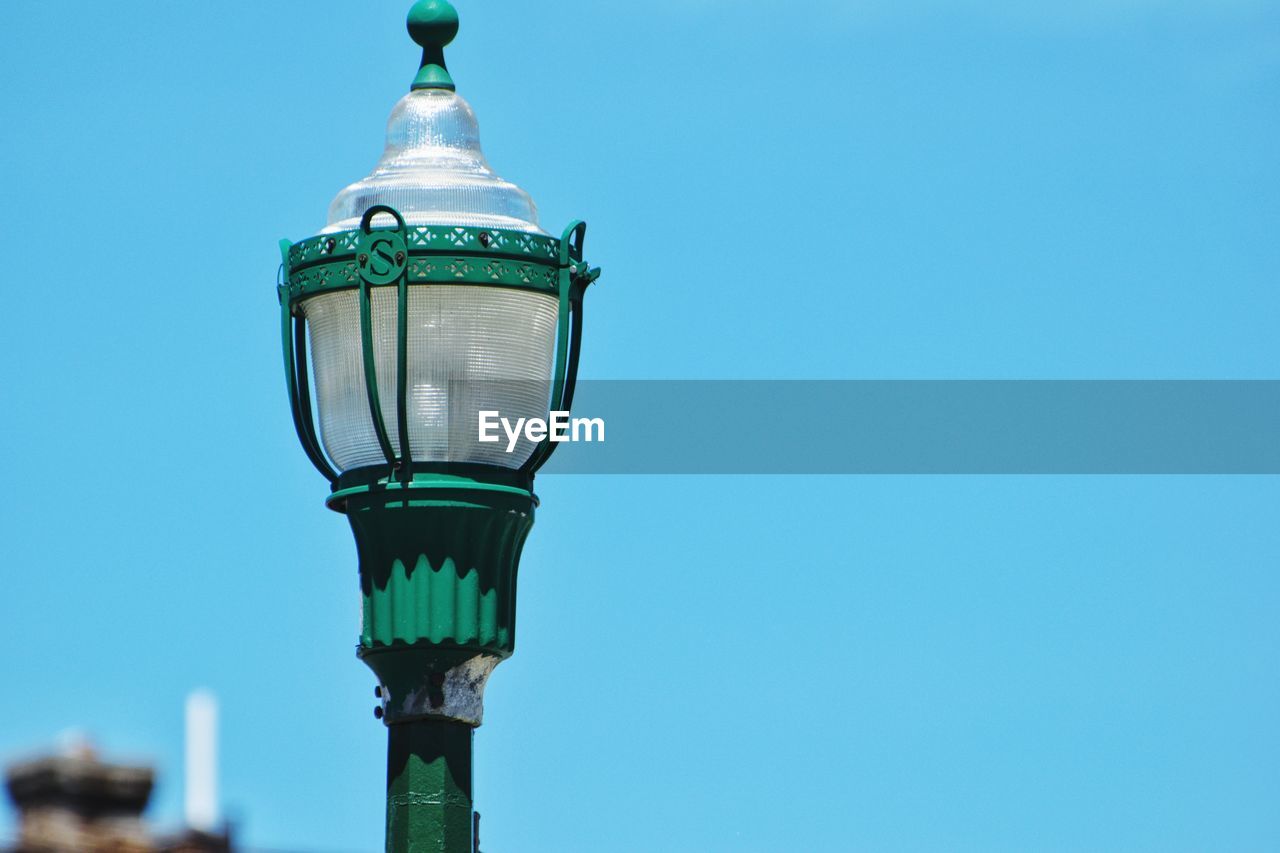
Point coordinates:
pixel 432 294
pixel 429 786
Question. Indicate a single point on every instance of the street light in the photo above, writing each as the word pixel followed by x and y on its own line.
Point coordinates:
pixel 431 295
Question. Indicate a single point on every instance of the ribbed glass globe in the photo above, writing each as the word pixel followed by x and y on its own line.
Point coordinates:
pixel 434 172
pixel 470 347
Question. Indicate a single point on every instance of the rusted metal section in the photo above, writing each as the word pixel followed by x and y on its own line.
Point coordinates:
pixel 455 693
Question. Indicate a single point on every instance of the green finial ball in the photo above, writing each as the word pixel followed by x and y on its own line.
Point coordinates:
pixel 433 23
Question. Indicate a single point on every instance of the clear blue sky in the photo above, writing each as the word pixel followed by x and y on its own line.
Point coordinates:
pixel 816 189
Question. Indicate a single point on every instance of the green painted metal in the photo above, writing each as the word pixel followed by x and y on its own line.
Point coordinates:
pixel 429 799
pixel 428 480
pixel 421 602
pixel 370 274
pixel 456 269
pixel 294 343
pixel 426 240
pixel 405 465
pixel 413 490
pixel 575 275
pixel 382 259
pixel 369 362
pixel 565 315
pixel 435 256
pixel 433 24
pixel 440 567
pixel 381 255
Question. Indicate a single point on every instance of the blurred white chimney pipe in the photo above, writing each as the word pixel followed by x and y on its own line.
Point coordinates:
pixel 201 804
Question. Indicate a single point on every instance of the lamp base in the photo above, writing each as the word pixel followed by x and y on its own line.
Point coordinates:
pixel 438 564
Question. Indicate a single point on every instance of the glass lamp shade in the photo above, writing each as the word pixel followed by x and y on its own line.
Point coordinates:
pixel 434 172
pixel 470 347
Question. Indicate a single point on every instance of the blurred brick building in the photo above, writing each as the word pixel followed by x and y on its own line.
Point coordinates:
pixel 73 802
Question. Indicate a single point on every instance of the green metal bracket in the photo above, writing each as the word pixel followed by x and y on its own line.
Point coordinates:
pixel 575 275
pixel 294 340
pixel 382 258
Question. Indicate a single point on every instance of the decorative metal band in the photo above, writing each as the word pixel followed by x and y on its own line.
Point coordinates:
pixel 437 254
pixel 431 238
pixel 416 491
pixel 438 269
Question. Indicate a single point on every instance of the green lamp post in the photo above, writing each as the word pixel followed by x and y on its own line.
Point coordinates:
pixel 431 295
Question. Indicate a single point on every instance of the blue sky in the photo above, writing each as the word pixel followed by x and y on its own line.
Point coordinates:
pixel 811 190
